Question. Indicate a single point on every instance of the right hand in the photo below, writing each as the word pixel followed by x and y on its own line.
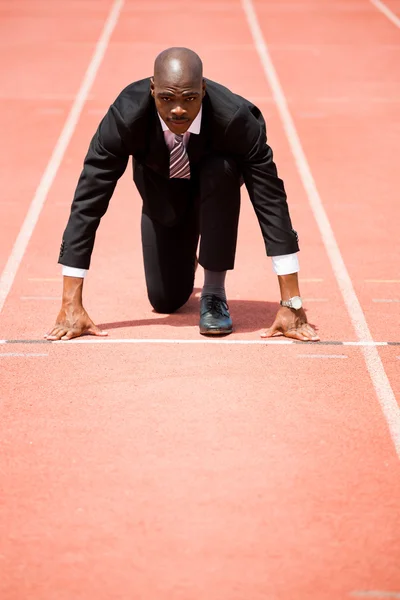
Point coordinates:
pixel 72 322
pixel 293 324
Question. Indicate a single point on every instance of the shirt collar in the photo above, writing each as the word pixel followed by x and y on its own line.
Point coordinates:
pixel 194 128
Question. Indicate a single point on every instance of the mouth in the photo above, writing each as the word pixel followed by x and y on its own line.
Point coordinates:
pixel 180 123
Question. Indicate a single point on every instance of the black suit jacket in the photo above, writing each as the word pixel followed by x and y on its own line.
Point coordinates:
pixel 231 126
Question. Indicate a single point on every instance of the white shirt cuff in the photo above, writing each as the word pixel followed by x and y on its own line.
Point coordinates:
pixel 285 264
pixel 73 272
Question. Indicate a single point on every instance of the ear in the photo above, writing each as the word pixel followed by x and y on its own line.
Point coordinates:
pixel 152 86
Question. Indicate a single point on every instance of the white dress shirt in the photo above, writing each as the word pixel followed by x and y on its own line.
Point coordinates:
pixel 170 137
pixel 282 265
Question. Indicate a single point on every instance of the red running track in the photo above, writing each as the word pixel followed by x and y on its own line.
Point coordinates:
pixel 185 471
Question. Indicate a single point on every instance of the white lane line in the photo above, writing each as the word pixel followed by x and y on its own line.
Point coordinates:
pixel 217 341
pixel 172 341
pixel 263 342
pixel 386 11
pixel 385 300
pixel 384 392
pixel 28 354
pixel 366 343
pixel 28 226
pixel 322 356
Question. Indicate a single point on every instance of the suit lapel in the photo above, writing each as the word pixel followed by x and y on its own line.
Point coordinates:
pixel 197 145
pixel 158 153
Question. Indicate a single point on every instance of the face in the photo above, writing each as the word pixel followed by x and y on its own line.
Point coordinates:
pixel 177 102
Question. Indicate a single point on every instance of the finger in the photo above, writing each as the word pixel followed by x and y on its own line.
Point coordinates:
pixel 307 327
pixel 56 337
pixel 309 333
pixel 57 334
pixel 296 334
pixel 272 331
pixel 314 335
pixel 52 331
pixel 94 330
pixel 55 330
pixel 71 333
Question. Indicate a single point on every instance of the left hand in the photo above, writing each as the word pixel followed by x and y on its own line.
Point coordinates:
pixel 293 324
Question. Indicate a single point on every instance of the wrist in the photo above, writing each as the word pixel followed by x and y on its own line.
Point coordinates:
pixel 294 303
pixel 289 286
pixel 72 291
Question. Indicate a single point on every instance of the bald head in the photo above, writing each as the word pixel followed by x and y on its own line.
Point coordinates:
pixel 178 87
pixel 177 66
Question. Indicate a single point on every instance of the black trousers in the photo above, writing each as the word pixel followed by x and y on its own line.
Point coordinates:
pixel 212 214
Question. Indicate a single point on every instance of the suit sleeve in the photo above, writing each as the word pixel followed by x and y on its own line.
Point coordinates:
pixel 104 164
pixel 248 139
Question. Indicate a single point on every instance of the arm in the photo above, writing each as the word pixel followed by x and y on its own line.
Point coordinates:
pixel 72 320
pixel 268 196
pixel 104 164
pixel 247 139
pixel 288 321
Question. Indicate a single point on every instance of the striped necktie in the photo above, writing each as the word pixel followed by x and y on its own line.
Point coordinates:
pixel 179 161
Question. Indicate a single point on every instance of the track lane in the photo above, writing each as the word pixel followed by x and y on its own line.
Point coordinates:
pixel 169 484
pixel 174 448
pixel 332 99
pixel 34 101
pixel 330 108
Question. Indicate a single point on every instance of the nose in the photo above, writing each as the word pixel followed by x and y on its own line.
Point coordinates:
pixel 178 111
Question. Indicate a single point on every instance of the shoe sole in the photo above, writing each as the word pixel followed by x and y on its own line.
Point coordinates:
pixel 216 331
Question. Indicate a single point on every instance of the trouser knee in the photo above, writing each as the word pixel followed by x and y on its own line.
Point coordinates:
pixel 168 303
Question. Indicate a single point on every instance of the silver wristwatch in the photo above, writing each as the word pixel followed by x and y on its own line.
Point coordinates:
pixel 295 302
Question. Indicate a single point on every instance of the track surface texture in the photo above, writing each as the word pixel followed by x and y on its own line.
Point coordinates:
pixel 155 465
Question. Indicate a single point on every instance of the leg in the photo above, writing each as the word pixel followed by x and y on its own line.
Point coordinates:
pixel 219 216
pixel 219 207
pixel 169 261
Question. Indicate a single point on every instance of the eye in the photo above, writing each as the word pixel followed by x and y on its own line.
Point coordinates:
pixel 191 98
pixel 165 98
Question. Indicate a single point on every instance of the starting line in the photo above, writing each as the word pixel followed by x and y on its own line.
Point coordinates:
pixel 266 342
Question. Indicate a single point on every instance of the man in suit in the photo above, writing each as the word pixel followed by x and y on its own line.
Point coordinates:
pixel 193 143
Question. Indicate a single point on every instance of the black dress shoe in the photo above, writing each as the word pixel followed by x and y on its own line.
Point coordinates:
pixel 214 316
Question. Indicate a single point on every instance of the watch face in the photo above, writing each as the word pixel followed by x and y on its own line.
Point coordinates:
pixel 296 302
